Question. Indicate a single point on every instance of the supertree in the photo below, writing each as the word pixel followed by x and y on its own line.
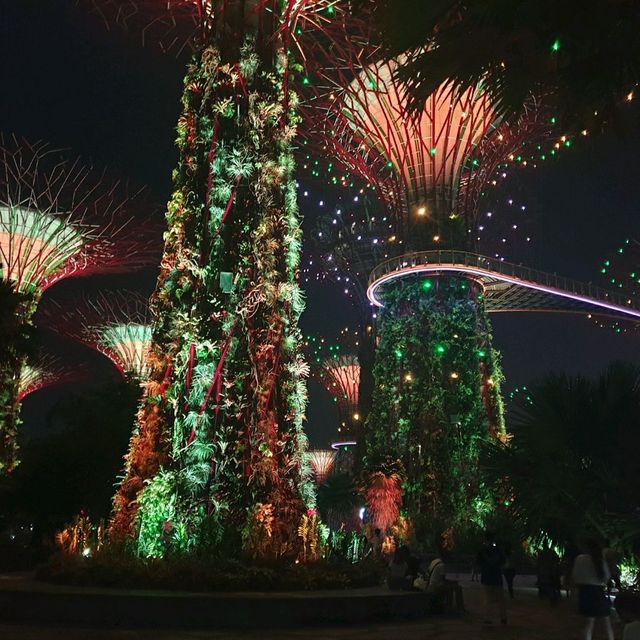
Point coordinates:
pixel 341 377
pixel 437 379
pixel 45 371
pixel 58 219
pixel 335 365
pixel 321 461
pixel 114 323
pixel 217 456
pixel 346 247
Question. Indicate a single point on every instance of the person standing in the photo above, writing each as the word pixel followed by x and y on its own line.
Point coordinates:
pixel 591 575
pixel 491 562
pixel 612 558
pixel 509 570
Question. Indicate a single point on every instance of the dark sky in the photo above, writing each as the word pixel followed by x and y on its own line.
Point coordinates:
pixel 65 79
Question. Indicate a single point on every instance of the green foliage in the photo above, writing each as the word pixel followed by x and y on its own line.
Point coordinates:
pixel 433 360
pixel 110 568
pixel 232 406
pixel 571 468
pixel 17 341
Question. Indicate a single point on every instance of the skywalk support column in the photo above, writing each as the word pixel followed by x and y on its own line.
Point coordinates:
pixel 436 399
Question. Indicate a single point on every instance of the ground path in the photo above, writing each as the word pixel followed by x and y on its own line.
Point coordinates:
pixel 529 619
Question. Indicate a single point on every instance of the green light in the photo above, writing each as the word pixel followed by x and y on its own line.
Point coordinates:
pixel 567 143
pixel 553 120
pixel 390 164
pixel 305 80
pixel 607 263
pixel 427 285
pixel 331 10
pixel 398 353
pixel 603 270
pixel 556 45
pixel 433 151
pixel 440 349
pixel 481 353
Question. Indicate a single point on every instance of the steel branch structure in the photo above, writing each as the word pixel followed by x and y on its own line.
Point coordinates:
pixel 60 219
pixel 321 461
pixel 47 371
pixel 114 323
pixel 340 376
pixel 429 168
pixel 182 25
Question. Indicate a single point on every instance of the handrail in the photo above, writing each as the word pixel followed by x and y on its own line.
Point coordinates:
pixel 484 266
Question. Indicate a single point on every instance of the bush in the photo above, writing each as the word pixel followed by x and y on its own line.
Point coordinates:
pixel 113 568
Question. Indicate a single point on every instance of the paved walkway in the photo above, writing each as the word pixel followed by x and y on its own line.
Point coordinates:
pixel 529 619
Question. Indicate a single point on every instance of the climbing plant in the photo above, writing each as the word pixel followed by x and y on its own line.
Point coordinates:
pixel 436 399
pixel 218 448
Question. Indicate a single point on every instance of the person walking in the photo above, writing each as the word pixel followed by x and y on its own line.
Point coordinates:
pixel 591 575
pixel 491 562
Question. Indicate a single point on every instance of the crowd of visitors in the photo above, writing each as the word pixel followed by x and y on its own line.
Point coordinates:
pixel 590 575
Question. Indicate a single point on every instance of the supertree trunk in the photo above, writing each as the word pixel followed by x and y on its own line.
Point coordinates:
pixel 219 443
pixel 9 414
pixel 429 410
pixel 17 326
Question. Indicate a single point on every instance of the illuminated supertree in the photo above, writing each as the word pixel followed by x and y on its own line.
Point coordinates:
pixel 58 219
pixel 335 365
pixel 218 455
pixel 114 323
pixel 47 371
pixel 321 461
pixel 437 379
pixel 341 378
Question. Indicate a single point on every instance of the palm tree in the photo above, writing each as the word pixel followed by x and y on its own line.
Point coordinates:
pixel 584 56
pixel 571 465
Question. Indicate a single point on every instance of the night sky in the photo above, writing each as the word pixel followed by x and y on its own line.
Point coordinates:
pixel 67 80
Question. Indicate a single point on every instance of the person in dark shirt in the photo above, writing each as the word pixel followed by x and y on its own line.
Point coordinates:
pixel 491 561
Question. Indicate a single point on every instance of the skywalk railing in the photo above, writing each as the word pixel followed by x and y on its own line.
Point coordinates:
pixel 484 266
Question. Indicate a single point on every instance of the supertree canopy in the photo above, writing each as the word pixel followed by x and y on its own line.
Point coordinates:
pixel 335 365
pixel 321 461
pixel 218 455
pixel 437 378
pixel 58 219
pixel 46 371
pixel 115 323
pixel 341 378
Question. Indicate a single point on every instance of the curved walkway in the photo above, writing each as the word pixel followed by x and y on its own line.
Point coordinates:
pixel 507 286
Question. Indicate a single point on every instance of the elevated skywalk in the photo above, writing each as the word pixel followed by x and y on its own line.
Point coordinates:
pixel 507 287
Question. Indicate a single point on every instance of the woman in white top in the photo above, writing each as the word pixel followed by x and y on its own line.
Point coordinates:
pixel 591 574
